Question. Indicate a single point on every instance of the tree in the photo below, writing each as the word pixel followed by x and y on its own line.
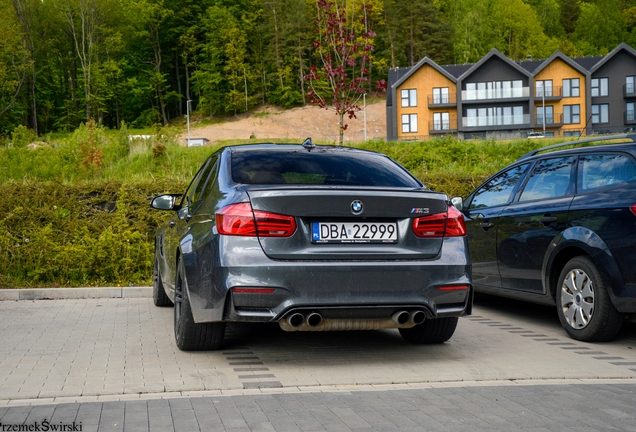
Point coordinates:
pixel 14 59
pixel 344 50
pixel 416 30
pixel 148 18
pixel 83 20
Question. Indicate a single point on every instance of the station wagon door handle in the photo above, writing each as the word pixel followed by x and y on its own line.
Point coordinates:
pixel 486 225
pixel 547 219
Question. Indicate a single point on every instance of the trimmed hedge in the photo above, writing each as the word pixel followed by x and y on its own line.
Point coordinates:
pixel 78 235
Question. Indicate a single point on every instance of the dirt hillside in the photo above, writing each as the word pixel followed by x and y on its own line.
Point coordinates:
pixel 297 123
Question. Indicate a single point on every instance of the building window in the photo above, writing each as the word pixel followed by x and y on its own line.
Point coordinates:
pixel 600 87
pixel 495 116
pixel 629 113
pixel 549 115
pixel 409 98
pixel 600 113
pixel 571 114
pixel 543 88
pixel 409 123
pixel 494 90
pixel 630 82
pixel 441 121
pixel 440 95
pixel 571 87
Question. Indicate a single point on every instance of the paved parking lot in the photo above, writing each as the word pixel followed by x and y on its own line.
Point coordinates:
pixel 71 359
pixel 112 347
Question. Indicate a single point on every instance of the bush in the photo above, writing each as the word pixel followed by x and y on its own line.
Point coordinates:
pixel 22 136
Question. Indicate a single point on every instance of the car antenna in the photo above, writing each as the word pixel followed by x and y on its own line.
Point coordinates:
pixel 308 144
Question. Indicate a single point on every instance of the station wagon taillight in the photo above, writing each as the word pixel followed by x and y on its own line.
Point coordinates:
pixel 449 224
pixel 633 209
pixel 241 220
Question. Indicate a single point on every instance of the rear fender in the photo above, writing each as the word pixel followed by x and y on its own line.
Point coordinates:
pixel 577 241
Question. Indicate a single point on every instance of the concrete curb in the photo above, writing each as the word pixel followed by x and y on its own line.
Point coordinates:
pixel 74 293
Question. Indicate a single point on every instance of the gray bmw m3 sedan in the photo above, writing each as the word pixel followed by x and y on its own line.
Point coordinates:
pixel 314 238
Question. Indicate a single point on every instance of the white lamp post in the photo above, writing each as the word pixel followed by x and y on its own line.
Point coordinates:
pixel 543 99
pixel 188 117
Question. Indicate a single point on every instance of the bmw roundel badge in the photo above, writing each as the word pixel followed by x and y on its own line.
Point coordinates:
pixel 357 207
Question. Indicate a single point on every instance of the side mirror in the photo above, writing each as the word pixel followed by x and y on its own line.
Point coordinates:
pixel 165 202
pixel 458 202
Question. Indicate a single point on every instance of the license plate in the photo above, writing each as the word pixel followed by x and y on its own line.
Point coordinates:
pixel 353 232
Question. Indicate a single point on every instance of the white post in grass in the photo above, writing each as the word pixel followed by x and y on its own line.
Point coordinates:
pixel 188 117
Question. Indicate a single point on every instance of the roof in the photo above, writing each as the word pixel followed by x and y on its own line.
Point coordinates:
pixel 588 62
pixel 494 53
pixel 565 59
pixel 622 47
pixel 457 70
pixel 631 137
pixel 424 61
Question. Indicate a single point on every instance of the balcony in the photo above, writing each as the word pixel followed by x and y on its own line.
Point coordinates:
pixel 496 122
pixel 554 120
pixel 441 101
pixel 630 117
pixel 488 95
pixel 629 91
pixel 551 93
pixel 442 126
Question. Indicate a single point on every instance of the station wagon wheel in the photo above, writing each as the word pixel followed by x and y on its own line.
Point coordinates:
pixel 433 331
pixel 191 336
pixel 159 296
pixel 583 304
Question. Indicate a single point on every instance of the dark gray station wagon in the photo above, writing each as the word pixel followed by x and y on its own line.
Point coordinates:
pixel 314 238
pixel 558 227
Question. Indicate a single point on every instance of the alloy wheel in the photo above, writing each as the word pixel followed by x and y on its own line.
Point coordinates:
pixel 577 299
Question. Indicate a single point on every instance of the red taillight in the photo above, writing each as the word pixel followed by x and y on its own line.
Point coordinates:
pixel 453 288
pixel 633 209
pixel 240 220
pixel 449 224
pixel 253 290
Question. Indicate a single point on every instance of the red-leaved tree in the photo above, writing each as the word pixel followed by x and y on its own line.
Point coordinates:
pixel 344 47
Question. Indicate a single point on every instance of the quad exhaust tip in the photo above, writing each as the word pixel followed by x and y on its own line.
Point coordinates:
pixel 296 320
pixel 417 317
pixel 314 319
pixel 401 317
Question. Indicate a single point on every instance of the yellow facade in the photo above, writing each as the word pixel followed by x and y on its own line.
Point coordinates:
pixel 424 80
pixel 557 71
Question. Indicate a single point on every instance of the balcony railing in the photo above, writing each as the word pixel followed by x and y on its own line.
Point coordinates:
pixel 444 99
pixel 442 126
pixel 495 94
pixel 629 90
pixel 630 117
pixel 504 120
pixel 550 120
pixel 550 92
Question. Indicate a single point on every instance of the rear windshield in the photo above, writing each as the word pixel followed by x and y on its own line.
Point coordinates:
pixel 339 168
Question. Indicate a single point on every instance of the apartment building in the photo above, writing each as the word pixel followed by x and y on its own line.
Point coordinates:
pixel 500 98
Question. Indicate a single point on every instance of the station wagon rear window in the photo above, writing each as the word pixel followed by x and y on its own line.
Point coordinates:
pixel 320 167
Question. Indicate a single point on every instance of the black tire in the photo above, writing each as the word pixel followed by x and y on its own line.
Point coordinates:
pixel 189 335
pixel 583 303
pixel 159 296
pixel 433 331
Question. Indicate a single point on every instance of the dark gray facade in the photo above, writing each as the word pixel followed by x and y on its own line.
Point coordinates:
pixel 620 97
